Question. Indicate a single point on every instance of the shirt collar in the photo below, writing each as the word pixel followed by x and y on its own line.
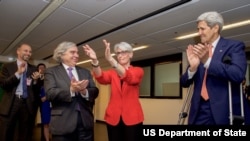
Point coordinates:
pixel 66 67
pixel 214 44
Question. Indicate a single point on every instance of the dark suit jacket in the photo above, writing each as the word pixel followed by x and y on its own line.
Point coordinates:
pixel 9 83
pixel 64 113
pixel 228 64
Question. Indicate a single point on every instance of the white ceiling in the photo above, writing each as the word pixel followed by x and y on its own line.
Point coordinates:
pixel 155 23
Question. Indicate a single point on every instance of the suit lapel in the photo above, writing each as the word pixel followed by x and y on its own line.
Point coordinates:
pixel 14 67
pixel 29 71
pixel 63 73
pixel 219 50
pixel 80 75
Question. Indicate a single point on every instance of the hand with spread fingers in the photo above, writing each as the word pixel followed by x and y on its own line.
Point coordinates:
pixel 89 52
pixel 193 59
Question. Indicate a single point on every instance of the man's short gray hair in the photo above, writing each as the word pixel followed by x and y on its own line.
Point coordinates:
pixel 60 49
pixel 212 18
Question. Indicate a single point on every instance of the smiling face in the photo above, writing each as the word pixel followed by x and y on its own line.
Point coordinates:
pixel 123 56
pixel 24 52
pixel 207 34
pixel 70 56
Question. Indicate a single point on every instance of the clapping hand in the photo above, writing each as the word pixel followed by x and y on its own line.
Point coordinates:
pixel 193 59
pixel 35 75
pixel 21 68
pixel 79 86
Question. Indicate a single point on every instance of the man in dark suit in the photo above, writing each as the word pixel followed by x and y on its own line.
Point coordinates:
pixel 72 94
pixel 20 101
pixel 221 61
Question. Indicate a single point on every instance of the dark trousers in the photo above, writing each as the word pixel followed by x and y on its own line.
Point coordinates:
pixel 122 132
pixel 204 116
pixel 42 133
pixel 80 134
pixel 19 124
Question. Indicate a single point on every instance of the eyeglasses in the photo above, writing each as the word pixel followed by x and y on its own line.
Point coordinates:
pixel 121 52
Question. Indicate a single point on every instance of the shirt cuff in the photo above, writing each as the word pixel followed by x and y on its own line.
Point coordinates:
pixel 17 75
pixel 72 94
pixel 86 95
pixel 190 74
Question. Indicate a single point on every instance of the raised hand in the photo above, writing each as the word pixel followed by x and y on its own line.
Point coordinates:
pixel 108 55
pixel 89 52
pixel 193 59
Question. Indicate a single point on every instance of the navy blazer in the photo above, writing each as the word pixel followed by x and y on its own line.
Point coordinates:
pixel 227 64
pixel 63 112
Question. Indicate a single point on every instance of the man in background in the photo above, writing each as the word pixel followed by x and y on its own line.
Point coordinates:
pixel 20 101
pixel 44 105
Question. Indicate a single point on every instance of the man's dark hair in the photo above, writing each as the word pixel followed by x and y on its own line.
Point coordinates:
pixel 41 64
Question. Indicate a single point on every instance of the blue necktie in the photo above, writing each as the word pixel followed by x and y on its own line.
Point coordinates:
pixel 25 93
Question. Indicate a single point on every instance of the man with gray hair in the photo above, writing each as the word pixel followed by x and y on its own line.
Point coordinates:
pixel 72 92
pixel 213 63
